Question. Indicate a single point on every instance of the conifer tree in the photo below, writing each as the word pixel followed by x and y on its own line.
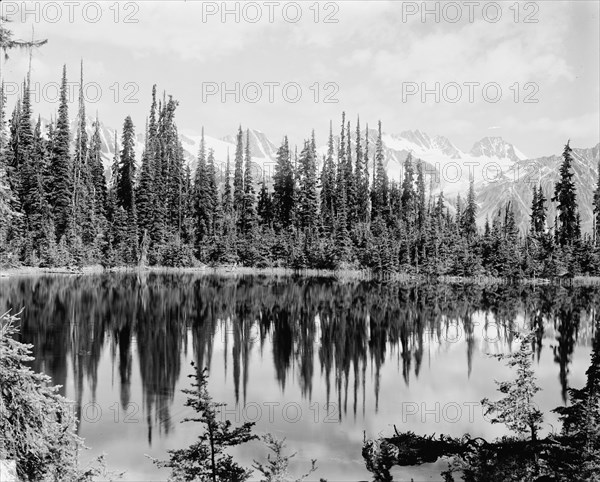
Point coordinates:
pixel 533 224
pixel 538 211
pixel 148 202
pixel 61 189
pixel 35 199
pixel 517 409
pixel 380 192
pixel 81 146
pixel 395 202
pixel 341 184
pixel 145 194
pixel 213 191
pixel 202 202
pixel 327 195
pixel 366 180
pixel 227 199
pixel 283 186
pixel 188 211
pixel 265 205
pixel 22 140
pixel 581 420
pixel 597 210
pixel 341 235
pixel 97 170
pixel 6 194
pixel 126 168
pixel 469 216
pixel 25 130
pixel 350 180
pixel 307 171
pixel 248 213
pixel 238 174
pixel 408 192
pixel 361 178
pixel 564 194
pixel 206 458
pixel 85 225
pixel 420 195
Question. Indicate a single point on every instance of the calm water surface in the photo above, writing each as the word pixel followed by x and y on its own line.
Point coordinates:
pixel 317 361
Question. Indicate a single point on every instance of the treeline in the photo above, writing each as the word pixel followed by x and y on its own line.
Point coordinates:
pixel 58 209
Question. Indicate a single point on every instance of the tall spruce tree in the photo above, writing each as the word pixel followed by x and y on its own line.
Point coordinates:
pixel 238 174
pixel 308 204
pixel 97 170
pixel 366 174
pixel 597 210
pixel 248 214
pixel 361 178
pixel 468 217
pixel 409 196
pixel 350 180
pixel 533 225
pixel 420 195
pixel 201 195
pixel 328 186
pixel 567 228
pixel 380 192
pixel 85 225
pixel 35 200
pixel 283 186
pixel 341 185
pixel 145 193
pixel 265 205
pixel 538 211
pixel 6 193
pixel 61 189
pixel 227 199
pixel 213 192
pixel 127 168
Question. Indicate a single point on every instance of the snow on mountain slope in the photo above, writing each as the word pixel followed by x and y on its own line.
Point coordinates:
pixel 496 147
pixel 446 168
pixel 516 187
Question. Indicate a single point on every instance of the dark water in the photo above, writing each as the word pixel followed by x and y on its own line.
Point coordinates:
pixel 316 361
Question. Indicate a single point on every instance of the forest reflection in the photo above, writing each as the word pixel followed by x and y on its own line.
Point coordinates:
pixel 348 329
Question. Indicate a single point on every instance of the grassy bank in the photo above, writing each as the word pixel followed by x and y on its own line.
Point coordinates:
pixel 203 270
pixel 343 274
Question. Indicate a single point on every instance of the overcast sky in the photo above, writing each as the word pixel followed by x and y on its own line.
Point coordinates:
pixel 373 57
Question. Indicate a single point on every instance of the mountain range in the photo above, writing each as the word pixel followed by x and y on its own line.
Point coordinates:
pixel 500 171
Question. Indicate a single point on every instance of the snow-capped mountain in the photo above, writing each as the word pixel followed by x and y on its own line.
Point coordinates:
pixel 496 147
pixel 422 142
pixel 446 167
pixel 517 184
pixel 501 172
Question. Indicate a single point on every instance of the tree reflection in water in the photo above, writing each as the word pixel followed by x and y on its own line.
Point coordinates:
pixel 345 327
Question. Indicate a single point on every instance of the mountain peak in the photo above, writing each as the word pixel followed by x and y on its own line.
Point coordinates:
pixel 497 147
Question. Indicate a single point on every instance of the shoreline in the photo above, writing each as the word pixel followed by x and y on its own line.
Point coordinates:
pixel 340 275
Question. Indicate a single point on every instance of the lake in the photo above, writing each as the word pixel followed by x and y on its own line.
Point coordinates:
pixel 318 361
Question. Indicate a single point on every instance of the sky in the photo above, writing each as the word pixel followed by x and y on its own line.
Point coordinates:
pixel 526 71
